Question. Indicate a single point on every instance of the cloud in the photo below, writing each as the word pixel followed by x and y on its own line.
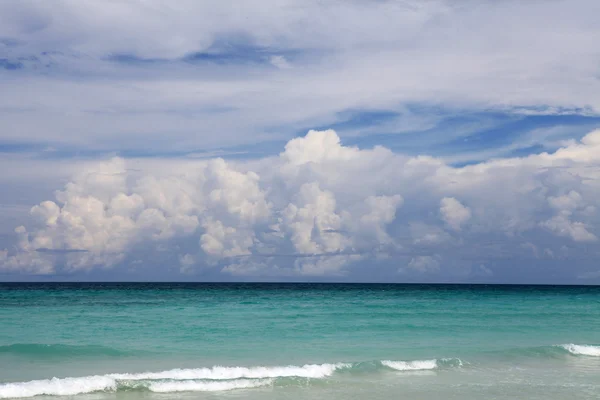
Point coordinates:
pixel 565 206
pixel 424 264
pixel 454 213
pixel 562 226
pixel 567 202
pixel 280 62
pixel 319 209
pixel 120 75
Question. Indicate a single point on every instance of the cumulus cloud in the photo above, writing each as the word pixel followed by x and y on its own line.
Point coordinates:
pixel 565 206
pixel 319 209
pixel 561 225
pixel 454 213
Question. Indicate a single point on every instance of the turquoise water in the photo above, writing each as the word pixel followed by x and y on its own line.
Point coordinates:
pixel 295 341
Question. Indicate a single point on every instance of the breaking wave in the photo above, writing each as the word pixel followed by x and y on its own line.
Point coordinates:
pixel 582 349
pixel 90 384
pixel 220 373
pixel 207 386
pixel 410 365
pixel 58 387
pixel 203 379
pixel 176 380
pixel 422 365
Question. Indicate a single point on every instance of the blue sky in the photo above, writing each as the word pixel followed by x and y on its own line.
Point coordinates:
pixel 450 141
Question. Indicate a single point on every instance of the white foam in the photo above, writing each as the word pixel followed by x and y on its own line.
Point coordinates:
pixel 583 350
pixel 228 373
pixel 417 365
pixel 220 378
pixel 207 386
pixel 57 387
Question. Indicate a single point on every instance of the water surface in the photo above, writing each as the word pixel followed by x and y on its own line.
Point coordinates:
pixel 296 341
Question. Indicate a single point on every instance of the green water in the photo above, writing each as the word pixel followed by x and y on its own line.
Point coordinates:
pixel 299 341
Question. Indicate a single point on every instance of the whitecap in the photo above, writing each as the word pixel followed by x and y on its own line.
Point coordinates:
pixel 417 365
pixel 175 380
pixel 207 386
pixel 222 373
pixel 57 387
pixel 583 350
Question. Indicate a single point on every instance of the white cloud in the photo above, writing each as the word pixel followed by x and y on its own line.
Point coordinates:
pixel 312 221
pixel 319 209
pixel 317 147
pixel 111 76
pixel 562 226
pixel 399 53
pixel 567 202
pixel 454 213
pixel 565 206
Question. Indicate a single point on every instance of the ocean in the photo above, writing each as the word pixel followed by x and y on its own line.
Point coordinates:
pixel 100 341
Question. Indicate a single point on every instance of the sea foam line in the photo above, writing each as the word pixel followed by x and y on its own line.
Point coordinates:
pixel 221 373
pixel 422 365
pixel 207 386
pixel 198 379
pixel 73 386
pixel 417 365
pixel 581 349
pixel 176 380
pixel 57 387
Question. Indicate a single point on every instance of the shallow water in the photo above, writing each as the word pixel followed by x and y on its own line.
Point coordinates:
pixel 164 341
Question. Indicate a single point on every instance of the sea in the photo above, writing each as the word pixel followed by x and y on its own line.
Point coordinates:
pixel 105 341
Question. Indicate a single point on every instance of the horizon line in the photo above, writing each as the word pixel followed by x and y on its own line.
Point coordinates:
pixel 306 283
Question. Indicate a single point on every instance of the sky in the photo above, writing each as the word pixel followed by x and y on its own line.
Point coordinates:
pixel 284 140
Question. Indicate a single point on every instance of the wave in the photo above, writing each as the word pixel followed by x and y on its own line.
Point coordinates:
pixel 208 386
pixel 176 380
pixel 220 373
pixel 555 352
pixel 58 350
pixel 411 365
pixel 421 365
pixel 582 349
pixel 90 384
pixel 202 379
pixel 57 387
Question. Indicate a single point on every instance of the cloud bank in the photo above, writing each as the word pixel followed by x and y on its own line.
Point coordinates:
pixel 489 90
pixel 119 75
pixel 321 209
